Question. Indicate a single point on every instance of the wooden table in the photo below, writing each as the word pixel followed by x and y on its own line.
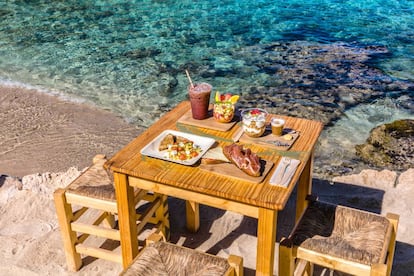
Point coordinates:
pixel 197 186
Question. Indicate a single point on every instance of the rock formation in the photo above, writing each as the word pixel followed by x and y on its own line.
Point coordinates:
pixel 390 145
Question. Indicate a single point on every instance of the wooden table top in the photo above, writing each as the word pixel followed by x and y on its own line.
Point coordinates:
pixel 129 161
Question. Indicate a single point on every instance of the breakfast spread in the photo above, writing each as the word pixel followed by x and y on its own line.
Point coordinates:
pixel 244 159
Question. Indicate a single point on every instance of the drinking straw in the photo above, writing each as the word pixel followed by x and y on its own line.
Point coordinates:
pixel 189 78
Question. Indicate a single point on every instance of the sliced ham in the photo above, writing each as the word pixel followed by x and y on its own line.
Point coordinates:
pixel 244 159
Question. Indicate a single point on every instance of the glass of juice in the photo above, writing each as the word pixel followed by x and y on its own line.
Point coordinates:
pixel 199 95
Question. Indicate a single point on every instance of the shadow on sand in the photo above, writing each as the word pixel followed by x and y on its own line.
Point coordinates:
pixel 209 239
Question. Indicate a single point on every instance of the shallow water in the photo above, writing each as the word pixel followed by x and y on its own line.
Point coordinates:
pixel 336 146
pixel 130 56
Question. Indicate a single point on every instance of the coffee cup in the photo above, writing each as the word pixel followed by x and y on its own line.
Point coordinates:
pixel 277 125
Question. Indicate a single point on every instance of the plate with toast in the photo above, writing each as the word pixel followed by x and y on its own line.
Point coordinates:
pixel 178 147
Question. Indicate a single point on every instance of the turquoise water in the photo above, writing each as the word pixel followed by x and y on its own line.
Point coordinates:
pixel 130 56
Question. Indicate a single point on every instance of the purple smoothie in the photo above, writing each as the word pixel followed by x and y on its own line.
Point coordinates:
pixel 200 99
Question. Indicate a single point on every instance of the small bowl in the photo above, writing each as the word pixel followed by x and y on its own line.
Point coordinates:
pixel 254 121
pixel 223 112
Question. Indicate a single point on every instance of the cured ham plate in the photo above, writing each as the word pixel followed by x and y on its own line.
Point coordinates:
pixel 230 170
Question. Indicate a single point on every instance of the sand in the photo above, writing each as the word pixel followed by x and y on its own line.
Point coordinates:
pixel 45 142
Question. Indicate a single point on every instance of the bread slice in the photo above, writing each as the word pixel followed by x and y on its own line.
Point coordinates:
pixel 167 140
pixel 215 156
pixel 171 139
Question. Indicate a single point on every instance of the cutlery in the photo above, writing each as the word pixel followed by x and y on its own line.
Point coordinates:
pixel 278 143
pixel 280 171
pixel 285 164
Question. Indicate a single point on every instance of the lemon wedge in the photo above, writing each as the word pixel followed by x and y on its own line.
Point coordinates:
pixel 234 99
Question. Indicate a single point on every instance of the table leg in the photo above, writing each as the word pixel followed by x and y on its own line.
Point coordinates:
pixel 193 215
pixel 126 218
pixel 266 238
pixel 304 187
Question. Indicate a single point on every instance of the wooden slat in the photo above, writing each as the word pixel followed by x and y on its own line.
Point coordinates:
pixel 79 213
pixel 332 262
pixel 99 253
pixel 250 211
pixel 95 230
pixel 90 202
pixel 85 235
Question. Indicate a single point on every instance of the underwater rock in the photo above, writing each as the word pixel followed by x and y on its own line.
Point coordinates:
pixel 318 81
pixel 390 145
pixel 142 53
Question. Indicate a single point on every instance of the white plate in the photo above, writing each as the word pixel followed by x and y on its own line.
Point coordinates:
pixel 152 148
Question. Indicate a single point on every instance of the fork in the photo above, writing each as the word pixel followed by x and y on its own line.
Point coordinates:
pixel 284 163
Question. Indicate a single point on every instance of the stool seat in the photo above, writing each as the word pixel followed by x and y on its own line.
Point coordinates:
pixel 343 232
pixel 339 238
pixel 164 258
pixel 95 182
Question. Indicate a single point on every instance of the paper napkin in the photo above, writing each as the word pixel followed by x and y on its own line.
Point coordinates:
pixel 284 172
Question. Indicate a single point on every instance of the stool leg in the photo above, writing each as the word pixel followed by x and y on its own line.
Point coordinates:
pixel 378 270
pixel 237 263
pixel 394 219
pixel 286 259
pixel 69 237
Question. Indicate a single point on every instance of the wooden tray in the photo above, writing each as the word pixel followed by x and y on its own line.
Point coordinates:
pixel 270 140
pixel 210 123
pixel 229 169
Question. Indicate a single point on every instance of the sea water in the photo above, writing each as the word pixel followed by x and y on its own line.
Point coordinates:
pixel 130 56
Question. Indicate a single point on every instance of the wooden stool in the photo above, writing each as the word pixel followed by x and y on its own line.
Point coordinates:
pixel 163 258
pixel 92 194
pixel 339 238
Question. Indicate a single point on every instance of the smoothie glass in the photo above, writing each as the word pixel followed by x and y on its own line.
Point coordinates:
pixel 199 95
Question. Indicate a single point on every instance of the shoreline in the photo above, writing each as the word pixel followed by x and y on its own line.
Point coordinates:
pixel 44 133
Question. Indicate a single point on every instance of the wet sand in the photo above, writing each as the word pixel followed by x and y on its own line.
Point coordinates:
pixel 43 133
